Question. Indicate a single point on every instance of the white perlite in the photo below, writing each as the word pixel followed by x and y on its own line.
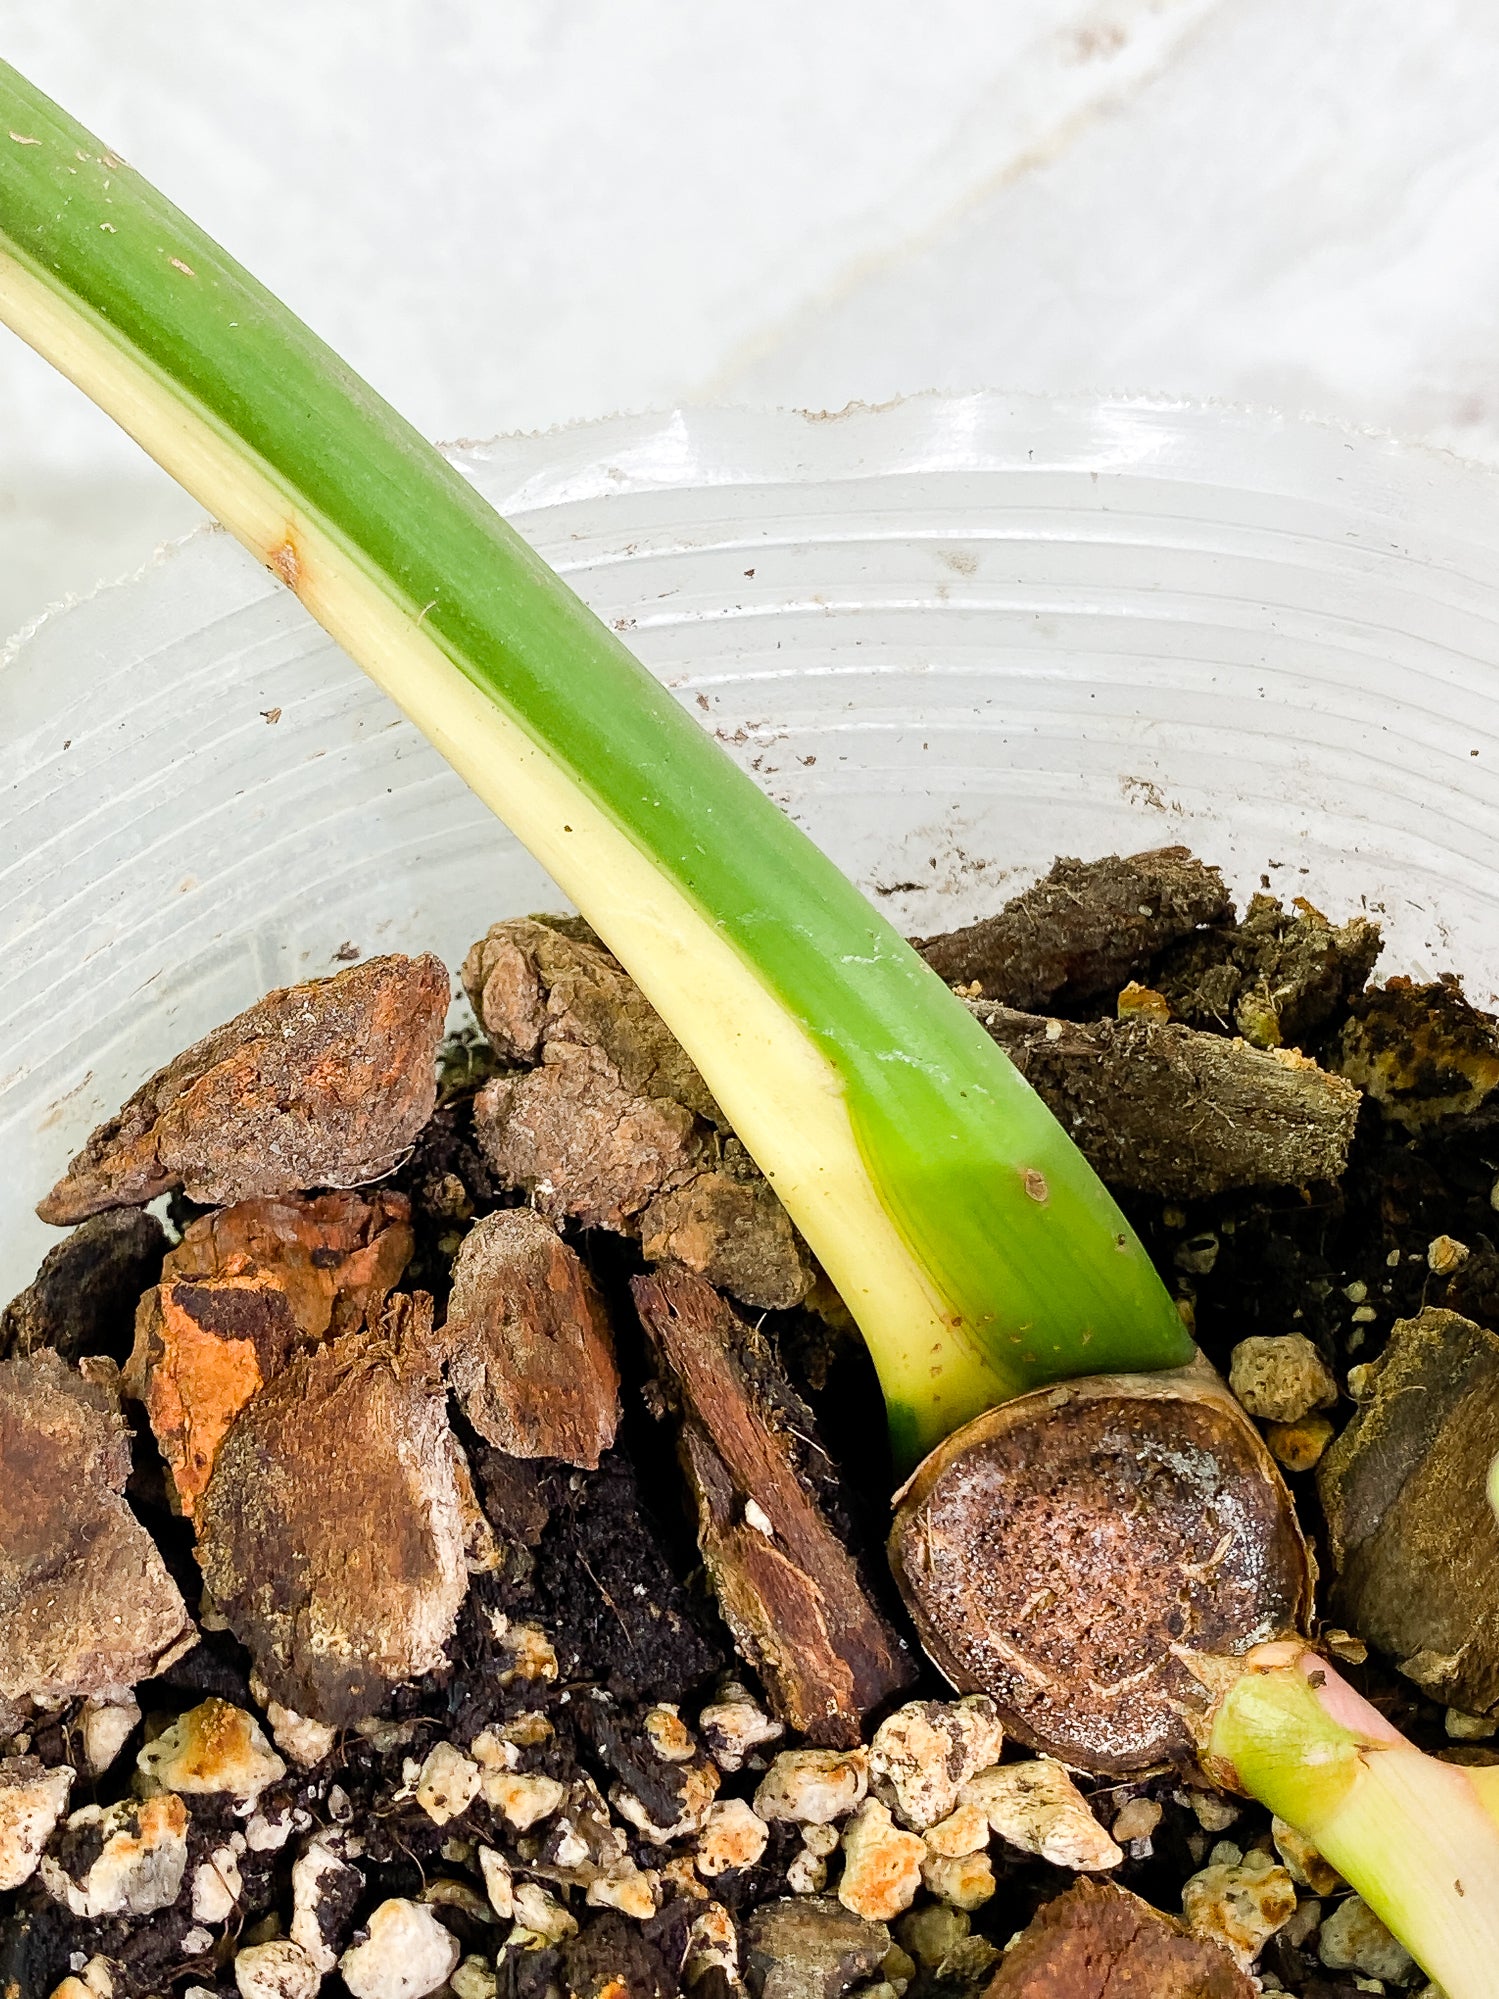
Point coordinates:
pixel 213 1747
pixel 405 1955
pixel 522 1800
pixel 499 1884
pixel 569 1848
pixel 630 1889
pixel 964 1831
pixel 1444 1254
pixel 712 1943
pixel 494 1751
pixel 807 1873
pixel 541 1914
pixel 668 1735
pixel 928 1750
pixel 700 1782
pixel 735 1725
pixel 216 1886
pixel 298 1736
pixel 139 1867
pixel 1281 1378
pixel 1240 1906
pixel 530 1654
pixel 448 1784
pixel 967 1882
pixel 813 1786
pixel 315 1876
pixel 734 1836
pixel 1036 1806
pixel 269 1835
pixel 32 1800
pixel 105 1727
pixel 475 1979
pixel 1354 1939
pixel 276 1970
pixel 881 1864
pixel 500 1748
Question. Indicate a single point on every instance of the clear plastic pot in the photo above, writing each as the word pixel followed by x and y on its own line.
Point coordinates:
pixel 955 637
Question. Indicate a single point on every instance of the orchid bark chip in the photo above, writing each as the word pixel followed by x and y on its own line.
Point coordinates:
pixel 86 1602
pixel 322 1084
pixel 353 1436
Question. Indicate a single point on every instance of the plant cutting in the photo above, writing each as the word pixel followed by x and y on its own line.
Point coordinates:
pixel 918 1166
pixel 975 1248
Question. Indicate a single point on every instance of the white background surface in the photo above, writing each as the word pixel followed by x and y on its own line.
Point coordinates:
pixel 509 213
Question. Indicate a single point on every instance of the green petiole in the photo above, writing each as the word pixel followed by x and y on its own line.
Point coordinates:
pixel 1418 1838
pixel 975 1247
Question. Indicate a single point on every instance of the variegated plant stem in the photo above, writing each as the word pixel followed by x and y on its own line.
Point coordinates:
pixel 975 1247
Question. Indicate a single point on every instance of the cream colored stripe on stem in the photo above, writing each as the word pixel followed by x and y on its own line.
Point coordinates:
pixel 777 1089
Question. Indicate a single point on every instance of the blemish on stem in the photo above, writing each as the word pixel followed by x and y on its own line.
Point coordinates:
pixel 286 563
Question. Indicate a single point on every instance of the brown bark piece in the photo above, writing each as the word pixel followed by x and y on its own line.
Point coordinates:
pixel 809 1947
pixel 1170 1110
pixel 1413 1540
pixel 336 1256
pixel 83 1299
pixel 616 1127
pixel 86 1604
pixel 331 1534
pixel 1061 1552
pixel 203 1348
pixel 1277 977
pixel 727 1225
pixel 581 1144
pixel 1100 1942
pixel 1301 970
pixel 1421 1052
pixel 1083 930
pixel 322 1084
pixel 529 1350
pixel 537 982
pixel 787 1586
pixel 243 1290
